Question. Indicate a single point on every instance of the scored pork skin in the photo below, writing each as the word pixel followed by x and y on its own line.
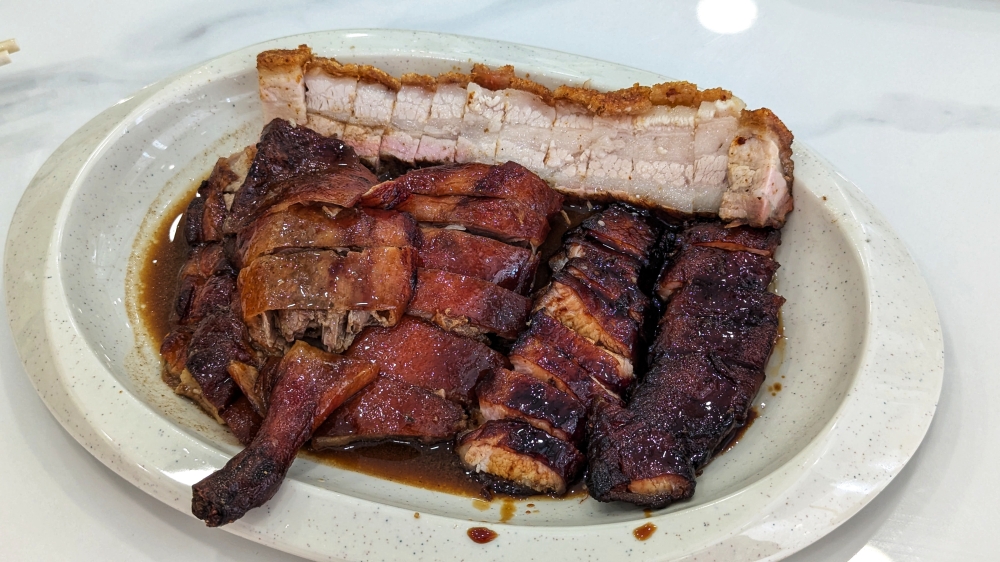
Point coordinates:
pixel 310 386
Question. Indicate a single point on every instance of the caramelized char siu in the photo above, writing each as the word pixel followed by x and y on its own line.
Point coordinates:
pixel 508 394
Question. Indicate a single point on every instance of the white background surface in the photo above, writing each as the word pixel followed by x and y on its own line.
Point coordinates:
pixel 901 97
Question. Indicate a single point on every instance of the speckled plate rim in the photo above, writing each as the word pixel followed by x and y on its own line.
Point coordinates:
pixel 796 504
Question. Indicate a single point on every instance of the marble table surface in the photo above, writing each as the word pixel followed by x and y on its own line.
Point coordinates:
pixel 899 95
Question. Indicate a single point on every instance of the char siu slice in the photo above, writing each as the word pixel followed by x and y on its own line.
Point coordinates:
pixel 508 394
pixel 739 238
pixel 323 228
pixel 528 459
pixel 718 267
pixel 294 165
pixel 424 355
pixel 456 251
pixel 468 306
pixel 535 357
pixel 623 230
pixel 391 409
pixel 632 459
pixel 311 384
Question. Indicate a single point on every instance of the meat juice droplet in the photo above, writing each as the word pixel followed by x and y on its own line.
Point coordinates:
pixel 507 510
pixel 481 535
pixel 644 532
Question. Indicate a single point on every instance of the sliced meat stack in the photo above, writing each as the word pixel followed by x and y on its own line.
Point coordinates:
pixel 584 336
pixel 706 365
pixel 670 145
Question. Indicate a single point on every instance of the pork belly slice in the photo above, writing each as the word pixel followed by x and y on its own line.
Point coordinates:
pixel 337 292
pixel 632 459
pixel 284 152
pixel 456 251
pixel 466 305
pixel 504 219
pixel 480 130
pixel 698 397
pixel 622 229
pixel 662 150
pixel 527 457
pixel 584 310
pixel 391 409
pixel 738 326
pixel 527 130
pixel 508 394
pixel 324 125
pixel 763 241
pixel 409 116
pixel 534 356
pixel 206 214
pixel 609 166
pixel 715 127
pixel 434 150
pixel 759 172
pixel 424 355
pixel 321 227
pixel 218 340
pixel 330 91
pixel 721 268
pixel 311 385
pixel 569 147
pixel 612 370
pixel 281 84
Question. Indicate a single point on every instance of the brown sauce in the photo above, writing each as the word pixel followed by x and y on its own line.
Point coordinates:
pixel 507 510
pixel 643 532
pixel 739 433
pixel 168 251
pixel 481 535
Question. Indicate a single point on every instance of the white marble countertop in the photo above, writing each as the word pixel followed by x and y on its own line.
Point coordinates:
pixel 901 97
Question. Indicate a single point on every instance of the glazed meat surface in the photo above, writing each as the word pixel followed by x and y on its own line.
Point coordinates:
pixel 718 267
pixel 528 459
pixel 456 251
pixel 508 394
pixel 207 212
pixel 391 408
pixel 507 220
pixel 622 230
pixel 310 386
pixel 293 165
pixel 534 356
pixel 467 305
pixel 323 228
pixel 422 354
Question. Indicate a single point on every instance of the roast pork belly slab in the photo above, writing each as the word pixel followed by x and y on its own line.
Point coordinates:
pixel 310 386
pixel 519 453
pixel 467 305
pixel 391 408
pixel 424 355
pixel 457 251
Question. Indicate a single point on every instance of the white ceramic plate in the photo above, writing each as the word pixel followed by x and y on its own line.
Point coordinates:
pixel 861 365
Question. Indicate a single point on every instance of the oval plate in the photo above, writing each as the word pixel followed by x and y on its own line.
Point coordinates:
pixel 860 365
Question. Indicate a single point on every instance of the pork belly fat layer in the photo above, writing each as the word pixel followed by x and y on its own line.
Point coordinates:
pixel 424 355
pixel 508 394
pixel 285 151
pixel 517 452
pixel 311 384
pixel 282 88
pixel 390 408
pixel 456 251
pixel 322 227
pixel 759 173
pixel 633 460
pixel 467 305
